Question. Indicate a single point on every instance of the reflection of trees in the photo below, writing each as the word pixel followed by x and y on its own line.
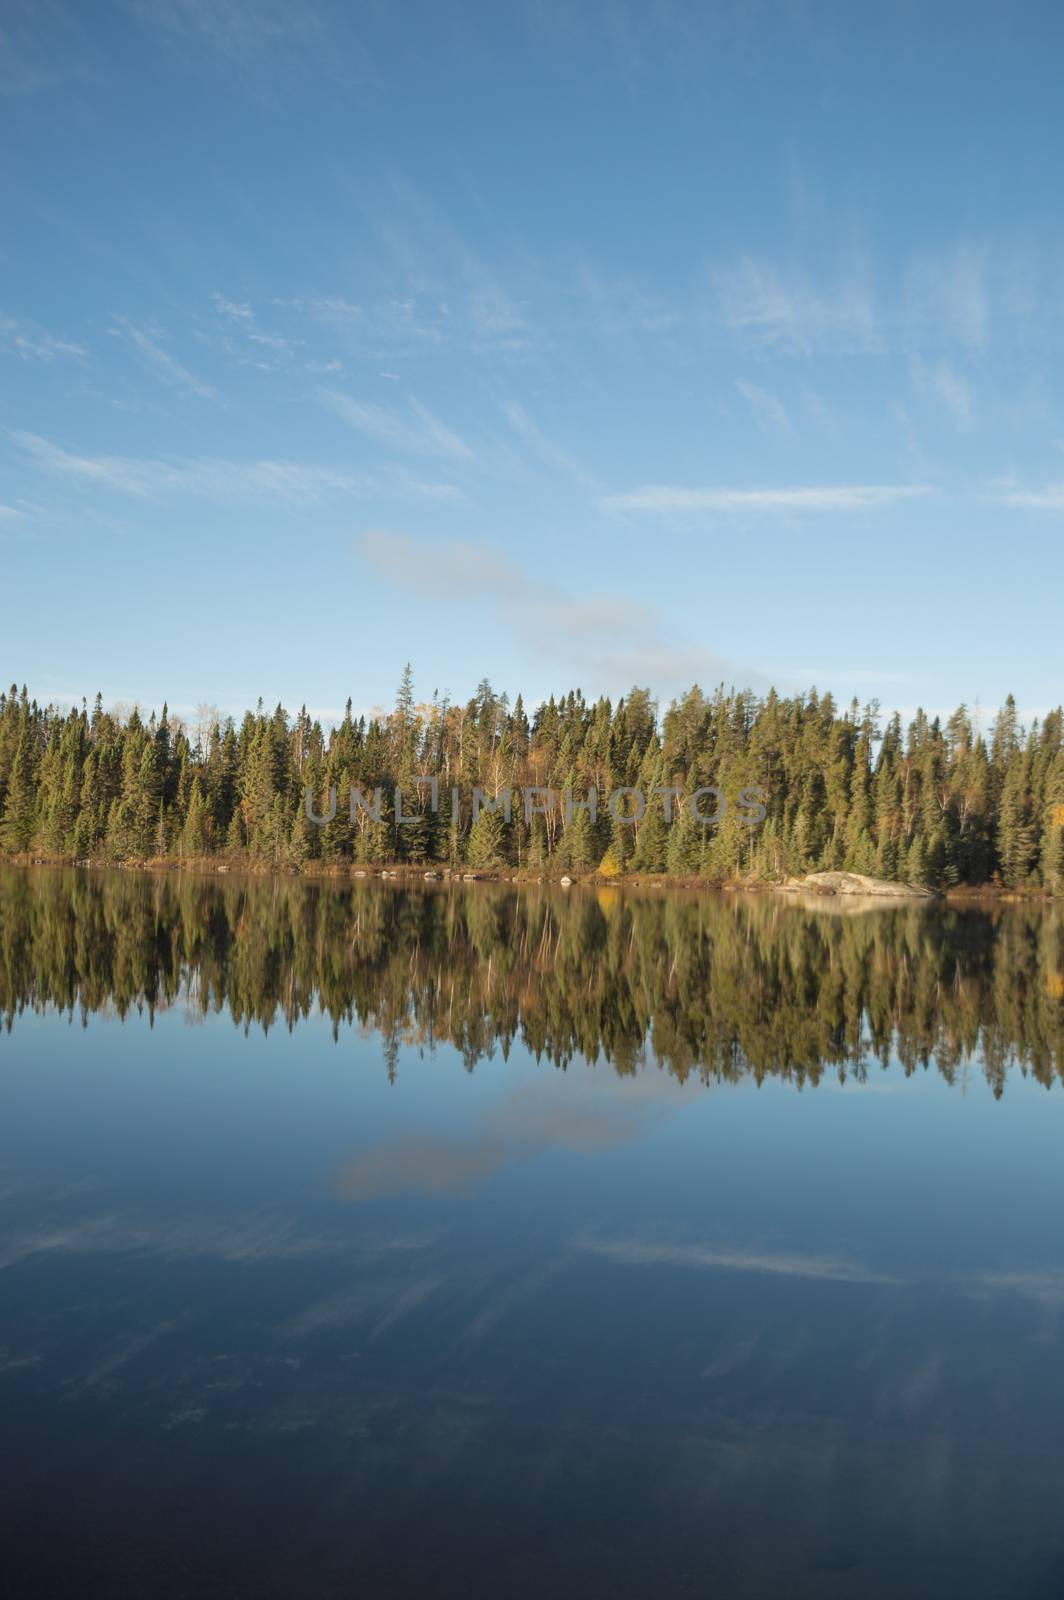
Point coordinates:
pixel 720 986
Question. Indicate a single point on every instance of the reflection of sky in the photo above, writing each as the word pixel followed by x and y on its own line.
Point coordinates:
pixel 518 1274
pixel 302 1143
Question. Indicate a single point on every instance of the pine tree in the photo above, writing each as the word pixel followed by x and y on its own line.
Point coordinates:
pixel 485 847
pixel 651 839
pixel 1015 833
pixel 195 837
pixel 20 805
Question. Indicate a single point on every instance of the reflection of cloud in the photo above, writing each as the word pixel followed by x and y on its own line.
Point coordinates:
pixel 529 1122
pixel 175 1239
pixel 521 1289
pixel 125 1350
pixel 665 1253
pixel 429 1166
pixel 386 1300
pixel 1045 1284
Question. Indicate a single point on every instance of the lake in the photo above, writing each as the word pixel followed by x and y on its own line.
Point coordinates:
pixel 484 1239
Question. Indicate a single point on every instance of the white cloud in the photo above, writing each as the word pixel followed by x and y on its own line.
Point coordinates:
pixel 33 343
pixel 618 309
pixel 216 478
pixel 237 28
pixel 244 323
pixel 615 640
pixel 945 384
pixel 424 435
pixel 533 437
pixel 166 366
pixel 446 568
pixel 382 328
pixel 769 412
pixel 662 499
pixel 331 308
pixel 239 311
pixel 497 321
pixel 946 298
pixel 445 440
pixel 1049 498
pixel 762 307
pixel 934 300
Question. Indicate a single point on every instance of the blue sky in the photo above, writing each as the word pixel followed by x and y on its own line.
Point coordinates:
pixel 558 343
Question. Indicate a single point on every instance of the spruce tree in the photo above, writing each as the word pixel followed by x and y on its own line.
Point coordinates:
pixel 20 805
pixel 485 847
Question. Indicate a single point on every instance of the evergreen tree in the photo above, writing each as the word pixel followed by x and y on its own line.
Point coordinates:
pixel 485 847
pixel 20 804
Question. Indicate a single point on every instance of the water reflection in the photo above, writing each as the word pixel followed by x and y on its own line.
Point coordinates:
pixel 278 1317
pixel 717 986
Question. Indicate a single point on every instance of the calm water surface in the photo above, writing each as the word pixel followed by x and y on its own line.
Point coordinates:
pixel 481 1241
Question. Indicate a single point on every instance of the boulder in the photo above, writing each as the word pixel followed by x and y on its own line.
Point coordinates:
pixel 858 883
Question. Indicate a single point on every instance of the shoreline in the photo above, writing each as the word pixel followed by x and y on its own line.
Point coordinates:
pixel 407 873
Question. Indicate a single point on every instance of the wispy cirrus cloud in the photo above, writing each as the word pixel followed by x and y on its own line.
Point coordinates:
pixel 765 307
pixel 216 478
pixel 538 444
pixel 43 43
pixel 163 364
pixel 662 499
pixel 237 28
pixel 1050 497
pixel 243 329
pixel 769 412
pixel 34 343
pixel 236 310
pixel 931 301
pixel 943 383
pixel 947 297
pixel 414 432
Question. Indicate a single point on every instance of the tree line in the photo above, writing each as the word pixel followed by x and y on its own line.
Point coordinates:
pixel 935 802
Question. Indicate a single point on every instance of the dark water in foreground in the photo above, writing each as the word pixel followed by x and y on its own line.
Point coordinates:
pixel 471 1242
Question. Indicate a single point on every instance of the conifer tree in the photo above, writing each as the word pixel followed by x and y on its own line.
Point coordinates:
pixel 20 804
pixel 485 847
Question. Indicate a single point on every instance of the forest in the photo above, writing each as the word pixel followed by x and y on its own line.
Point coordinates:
pixel 943 803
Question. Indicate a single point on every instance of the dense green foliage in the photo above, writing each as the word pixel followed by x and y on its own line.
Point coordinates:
pixel 932 803
pixel 714 985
